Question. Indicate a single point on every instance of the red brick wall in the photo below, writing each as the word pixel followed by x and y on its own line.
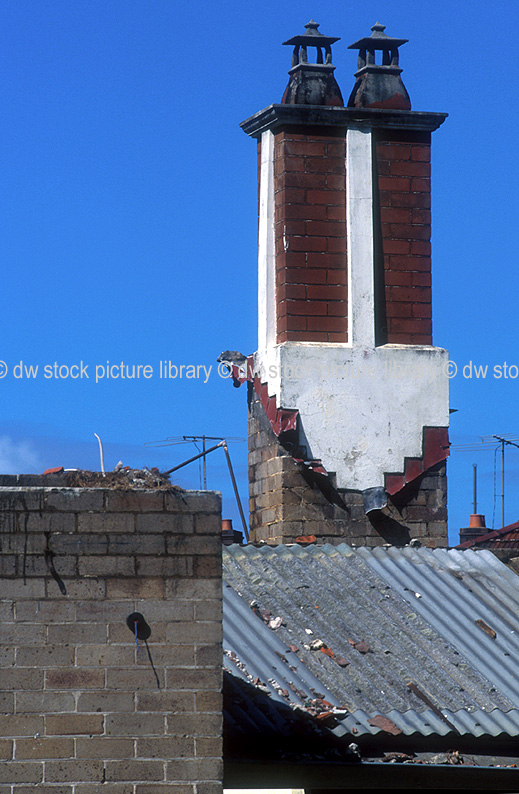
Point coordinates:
pixel 403 166
pixel 310 235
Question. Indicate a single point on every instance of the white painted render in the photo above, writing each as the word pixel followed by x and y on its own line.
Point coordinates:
pixel 359 222
pixel 362 409
pixel 266 246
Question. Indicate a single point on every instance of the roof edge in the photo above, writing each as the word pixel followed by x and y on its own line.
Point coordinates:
pixel 275 116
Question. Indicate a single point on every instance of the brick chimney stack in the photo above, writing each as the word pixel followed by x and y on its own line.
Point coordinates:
pixel 349 415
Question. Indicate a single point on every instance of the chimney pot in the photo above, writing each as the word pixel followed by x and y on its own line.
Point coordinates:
pixel 312 83
pixel 379 85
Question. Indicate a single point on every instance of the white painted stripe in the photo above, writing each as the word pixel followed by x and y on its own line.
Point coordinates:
pixel 359 220
pixel 266 248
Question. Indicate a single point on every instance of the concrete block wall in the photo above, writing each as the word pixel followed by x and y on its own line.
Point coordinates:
pixel 82 708
pixel 284 505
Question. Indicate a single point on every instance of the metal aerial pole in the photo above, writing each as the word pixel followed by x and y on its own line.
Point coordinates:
pixel 503 441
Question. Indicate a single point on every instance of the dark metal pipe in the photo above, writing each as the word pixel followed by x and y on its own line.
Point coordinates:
pixel 201 455
pixel 237 495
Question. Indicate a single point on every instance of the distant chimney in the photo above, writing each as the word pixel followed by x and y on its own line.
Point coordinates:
pixel 230 535
pixel 475 529
pixel 346 379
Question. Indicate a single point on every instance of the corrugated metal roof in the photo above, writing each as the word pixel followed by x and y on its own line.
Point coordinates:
pixel 415 608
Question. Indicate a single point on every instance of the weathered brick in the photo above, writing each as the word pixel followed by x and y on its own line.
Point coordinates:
pixel 73 724
pixel 165 788
pixel 44 747
pixel 100 788
pixel 21 499
pixel 104 747
pixel 195 725
pixel 38 702
pixel 106 523
pixel 78 543
pixel 17 589
pixel 208 746
pixel 166 656
pixel 15 678
pixel 7 702
pixel 50 522
pixel 208 701
pixel 196 769
pixel 193 502
pixel 165 566
pixel 120 633
pixel 136 544
pixel 46 611
pixel 100 611
pixel 23 543
pixel 134 501
pixel 21 772
pixel 121 678
pixel 209 524
pixel 103 701
pixel 76 633
pixel 20 725
pixel 74 679
pixel 106 566
pixel 208 610
pixel 199 544
pixel 43 789
pixel 134 770
pixel 206 566
pixel 74 771
pixel 166 701
pixel 74 500
pixel 167 747
pixel 45 656
pixel 105 655
pixel 93 588
pixel 22 634
pixel 152 587
pixel 174 523
pixel 135 724
pixel 206 787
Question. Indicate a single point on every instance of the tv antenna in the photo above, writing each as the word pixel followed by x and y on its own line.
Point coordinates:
pixel 222 442
pixel 493 442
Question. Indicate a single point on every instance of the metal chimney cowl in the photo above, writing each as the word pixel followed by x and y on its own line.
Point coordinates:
pixel 312 83
pixel 379 85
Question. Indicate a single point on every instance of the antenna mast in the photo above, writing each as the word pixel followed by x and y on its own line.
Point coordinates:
pixel 503 441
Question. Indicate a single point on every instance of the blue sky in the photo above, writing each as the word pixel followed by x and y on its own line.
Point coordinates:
pixel 128 222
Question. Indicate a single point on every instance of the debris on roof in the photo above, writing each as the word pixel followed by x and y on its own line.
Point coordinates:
pixel 124 478
pixel 486 628
pixel 374 662
pixel 385 724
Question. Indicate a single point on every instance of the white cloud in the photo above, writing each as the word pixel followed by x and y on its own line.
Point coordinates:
pixel 18 457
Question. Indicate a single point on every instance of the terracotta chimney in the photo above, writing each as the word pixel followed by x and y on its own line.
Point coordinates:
pixel 475 529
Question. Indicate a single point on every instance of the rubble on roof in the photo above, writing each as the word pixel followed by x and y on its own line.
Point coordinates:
pixel 124 478
pixel 363 658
